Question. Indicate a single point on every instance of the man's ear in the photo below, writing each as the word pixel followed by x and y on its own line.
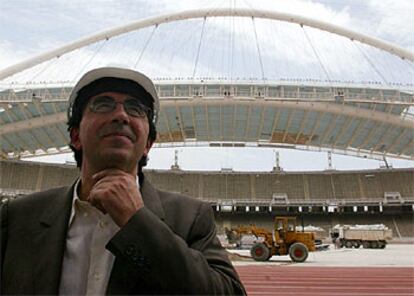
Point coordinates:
pixel 74 138
pixel 148 146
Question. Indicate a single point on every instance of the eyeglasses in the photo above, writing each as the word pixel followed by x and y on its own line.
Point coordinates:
pixel 106 104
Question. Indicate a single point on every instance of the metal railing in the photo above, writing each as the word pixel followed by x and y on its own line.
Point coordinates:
pixel 252 91
pixel 307 202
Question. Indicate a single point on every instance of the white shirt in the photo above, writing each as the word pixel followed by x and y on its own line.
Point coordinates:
pixel 86 263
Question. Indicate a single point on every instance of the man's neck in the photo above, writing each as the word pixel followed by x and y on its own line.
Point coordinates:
pixel 87 181
pixel 86 184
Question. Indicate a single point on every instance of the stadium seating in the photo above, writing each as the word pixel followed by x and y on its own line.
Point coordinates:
pixel 363 190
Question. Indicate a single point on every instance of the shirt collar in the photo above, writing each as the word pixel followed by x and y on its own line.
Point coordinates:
pixel 75 197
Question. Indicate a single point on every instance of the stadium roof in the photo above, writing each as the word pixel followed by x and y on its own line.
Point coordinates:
pixel 367 121
pixel 333 104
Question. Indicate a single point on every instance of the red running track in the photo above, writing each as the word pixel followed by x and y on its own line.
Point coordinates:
pixel 295 280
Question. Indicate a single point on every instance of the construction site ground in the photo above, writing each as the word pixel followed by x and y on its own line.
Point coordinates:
pixel 388 271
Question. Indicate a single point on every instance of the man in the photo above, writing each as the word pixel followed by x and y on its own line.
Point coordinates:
pixel 111 232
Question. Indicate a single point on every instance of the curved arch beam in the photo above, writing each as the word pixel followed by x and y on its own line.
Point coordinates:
pixel 200 13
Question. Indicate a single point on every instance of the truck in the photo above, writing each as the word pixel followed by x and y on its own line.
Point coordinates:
pixel 282 240
pixel 353 236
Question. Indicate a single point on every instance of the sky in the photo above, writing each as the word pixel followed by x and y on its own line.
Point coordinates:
pixel 219 48
pixel 229 47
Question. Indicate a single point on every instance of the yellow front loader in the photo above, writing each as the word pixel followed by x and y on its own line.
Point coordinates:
pixel 283 240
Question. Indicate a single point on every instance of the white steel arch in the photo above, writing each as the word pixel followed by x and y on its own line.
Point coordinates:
pixel 200 13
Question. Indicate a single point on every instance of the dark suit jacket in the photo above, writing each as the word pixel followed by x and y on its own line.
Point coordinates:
pixel 167 247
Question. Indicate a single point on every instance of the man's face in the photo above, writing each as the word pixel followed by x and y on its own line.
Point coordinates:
pixel 111 137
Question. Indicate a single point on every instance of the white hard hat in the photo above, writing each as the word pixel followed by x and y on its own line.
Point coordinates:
pixel 120 73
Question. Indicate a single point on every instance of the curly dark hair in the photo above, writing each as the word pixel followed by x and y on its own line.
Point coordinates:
pixel 108 84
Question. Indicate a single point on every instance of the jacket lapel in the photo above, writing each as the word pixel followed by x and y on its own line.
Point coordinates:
pixel 123 278
pixel 49 240
pixel 152 200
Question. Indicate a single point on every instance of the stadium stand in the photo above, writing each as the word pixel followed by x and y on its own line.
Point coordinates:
pixel 30 176
pixel 326 185
pixel 322 199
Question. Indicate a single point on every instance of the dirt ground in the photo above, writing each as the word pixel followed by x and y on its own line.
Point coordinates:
pixel 394 255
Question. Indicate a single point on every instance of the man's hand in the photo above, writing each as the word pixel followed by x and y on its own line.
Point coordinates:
pixel 116 193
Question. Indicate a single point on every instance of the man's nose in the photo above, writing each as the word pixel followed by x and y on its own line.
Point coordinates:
pixel 119 113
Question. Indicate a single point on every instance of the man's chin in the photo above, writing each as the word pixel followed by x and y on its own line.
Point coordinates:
pixel 118 160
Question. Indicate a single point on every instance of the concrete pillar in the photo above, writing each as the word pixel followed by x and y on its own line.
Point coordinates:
pixel 333 186
pixel 361 187
pixel 40 178
pixel 200 186
pixel 305 186
pixel 253 186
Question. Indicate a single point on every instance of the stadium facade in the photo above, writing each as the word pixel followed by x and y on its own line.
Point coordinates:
pixel 320 198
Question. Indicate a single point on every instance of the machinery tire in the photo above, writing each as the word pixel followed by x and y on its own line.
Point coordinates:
pixel 374 245
pixel 260 252
pixel 382 245
pixel 298 252
pixel 348 244
pixel 366 245
pixel 357 245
